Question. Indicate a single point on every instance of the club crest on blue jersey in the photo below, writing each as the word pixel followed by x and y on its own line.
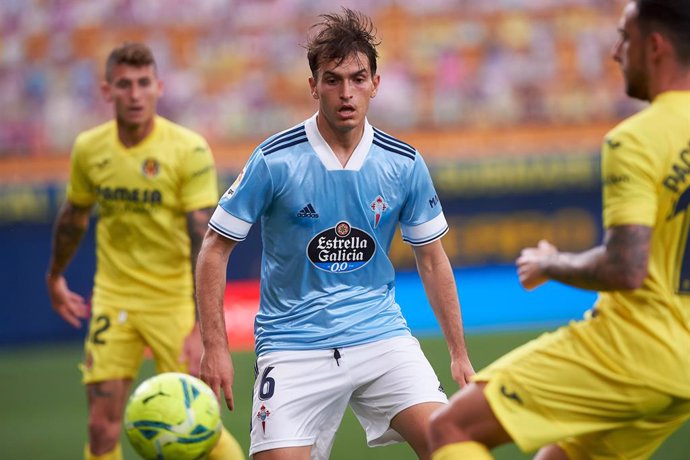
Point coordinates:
pixel 263 415
pixel 341 249
pixel 150 167
pixel 378 206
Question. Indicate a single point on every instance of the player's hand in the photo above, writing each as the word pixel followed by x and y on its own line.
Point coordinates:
pixel 218 373
pixel 531 263
pixel 461 370
pixel 68 304
pixel 191 351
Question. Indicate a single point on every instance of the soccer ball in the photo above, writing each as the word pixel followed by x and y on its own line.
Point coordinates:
pixel 173 416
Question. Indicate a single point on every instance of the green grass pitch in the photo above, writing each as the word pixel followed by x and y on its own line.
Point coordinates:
pixel 43 408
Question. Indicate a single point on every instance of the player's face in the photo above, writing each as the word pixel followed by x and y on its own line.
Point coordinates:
pixel 134 92
pixel 344 91
pixel 629 53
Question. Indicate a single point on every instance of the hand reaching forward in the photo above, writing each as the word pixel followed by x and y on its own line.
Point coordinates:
pixel 532 262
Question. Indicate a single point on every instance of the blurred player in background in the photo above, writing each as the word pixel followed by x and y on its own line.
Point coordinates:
pixel 330 193
pixel 155 185
pixel 618 383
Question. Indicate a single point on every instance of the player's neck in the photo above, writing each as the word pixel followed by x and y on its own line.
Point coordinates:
pixel 671 78
pixel 342 143
pixel 681 82
pixel 342 153
pixel 131 135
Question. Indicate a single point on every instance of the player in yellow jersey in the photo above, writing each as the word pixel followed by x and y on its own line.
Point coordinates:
pixel 155 185
pixel 616 384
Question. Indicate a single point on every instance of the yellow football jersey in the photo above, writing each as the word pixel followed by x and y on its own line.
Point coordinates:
pixel 646 173
pixel 143 194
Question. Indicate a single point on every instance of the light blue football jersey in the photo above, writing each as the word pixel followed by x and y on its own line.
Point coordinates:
pixel 326 279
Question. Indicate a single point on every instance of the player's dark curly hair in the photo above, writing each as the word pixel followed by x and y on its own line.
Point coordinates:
pixel 671 18
pixel 339 36
pixel 129 53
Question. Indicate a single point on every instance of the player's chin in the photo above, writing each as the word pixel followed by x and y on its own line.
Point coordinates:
pixel 136 118
pixel 345 124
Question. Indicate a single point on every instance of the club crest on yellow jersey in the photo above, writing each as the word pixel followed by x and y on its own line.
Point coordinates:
pixel 150 167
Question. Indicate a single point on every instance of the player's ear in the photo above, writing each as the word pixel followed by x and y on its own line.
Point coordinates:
pixel 161 87
pixel 659 45
pixel 376 79
pixel 312 88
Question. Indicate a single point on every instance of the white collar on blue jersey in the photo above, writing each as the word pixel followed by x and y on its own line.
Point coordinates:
pixel 325 153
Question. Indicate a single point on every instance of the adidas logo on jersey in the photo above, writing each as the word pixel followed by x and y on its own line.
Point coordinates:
pixel 308 211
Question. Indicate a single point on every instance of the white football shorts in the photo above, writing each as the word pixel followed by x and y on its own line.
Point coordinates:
pixel 300 396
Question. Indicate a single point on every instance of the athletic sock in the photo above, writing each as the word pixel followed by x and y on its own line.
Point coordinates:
pixel 115 454
pixel 227 448
pixel 462 451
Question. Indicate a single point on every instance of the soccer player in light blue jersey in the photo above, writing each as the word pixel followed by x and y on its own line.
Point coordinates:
pixel 330 194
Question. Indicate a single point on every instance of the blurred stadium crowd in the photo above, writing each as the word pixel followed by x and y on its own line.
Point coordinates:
pixel 235 69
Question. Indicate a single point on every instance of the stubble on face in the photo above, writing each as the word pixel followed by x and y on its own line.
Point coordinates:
pixel 630 53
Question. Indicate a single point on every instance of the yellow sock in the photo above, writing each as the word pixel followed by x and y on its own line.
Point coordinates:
pixel 462 451
pixel 115 454
pixel 227 448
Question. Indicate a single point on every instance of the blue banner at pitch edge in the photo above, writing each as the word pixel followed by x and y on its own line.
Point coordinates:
pixel 492 300
pixel 497 206
pixel 29 203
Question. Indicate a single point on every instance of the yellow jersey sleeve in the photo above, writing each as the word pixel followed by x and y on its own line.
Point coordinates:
pixel 200 179
pixel 80 190
pixel 629 180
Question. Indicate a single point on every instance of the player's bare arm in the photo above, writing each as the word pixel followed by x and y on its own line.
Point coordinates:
pixel 71 224
pixel 197 224
pixel 216 365
pixel 439 283
pixel 619 263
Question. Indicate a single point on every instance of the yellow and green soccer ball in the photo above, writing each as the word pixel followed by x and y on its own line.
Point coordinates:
pixel 173 416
